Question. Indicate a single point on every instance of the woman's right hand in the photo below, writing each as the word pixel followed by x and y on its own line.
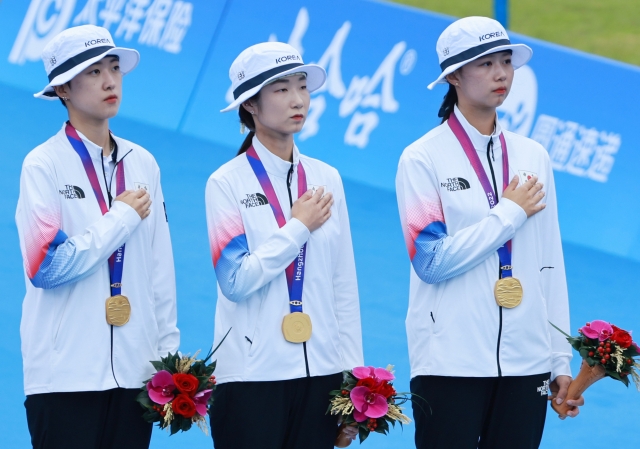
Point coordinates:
pixel 139 200
pixel 527 196
pixel 312 209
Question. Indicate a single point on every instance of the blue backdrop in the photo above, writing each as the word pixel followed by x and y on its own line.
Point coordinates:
pixel 380 58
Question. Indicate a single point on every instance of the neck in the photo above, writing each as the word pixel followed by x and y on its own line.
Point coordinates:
pixel 279 144
pixel 482 119
pixel 96 130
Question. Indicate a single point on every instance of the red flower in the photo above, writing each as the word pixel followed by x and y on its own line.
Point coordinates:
pixel 183 405
pixel 384 389
pixel 368 382
pixel 622 337
pixel 186 383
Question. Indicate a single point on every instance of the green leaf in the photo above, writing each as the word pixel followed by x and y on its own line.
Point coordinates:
pixel 363 433
pixel 560 330
pixel 175 425
pixel 160 366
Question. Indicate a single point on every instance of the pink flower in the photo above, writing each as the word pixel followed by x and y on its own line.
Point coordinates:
pixel 161 387
pixel 597 329
pixel 368 404
pixel 200 399
pixel 379 374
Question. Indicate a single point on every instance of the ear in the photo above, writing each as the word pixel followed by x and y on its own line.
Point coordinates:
pixel 249 106
pixel 453 78
pixel 62 91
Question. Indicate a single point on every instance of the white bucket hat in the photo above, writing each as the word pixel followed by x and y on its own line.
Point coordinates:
pixel 262 63
pixel 75 49
pixel 471 38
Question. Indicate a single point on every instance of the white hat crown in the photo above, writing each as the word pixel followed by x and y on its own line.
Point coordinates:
pixel 470 38
pixel 261 63
pixel 76 48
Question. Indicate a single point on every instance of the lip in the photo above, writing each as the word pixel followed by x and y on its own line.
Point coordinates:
pixel 111 99
pixel 501 90
pixel 297 117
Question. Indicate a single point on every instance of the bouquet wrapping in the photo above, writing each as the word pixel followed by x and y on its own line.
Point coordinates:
pixel 606 351
pixel 367 400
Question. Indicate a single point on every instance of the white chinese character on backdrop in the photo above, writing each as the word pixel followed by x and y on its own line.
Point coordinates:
pixel 583 151
pixel 603 160
pixel 562 144
pixel 89 14
pixel 577 149
pixel 362 89
pixel 112 13
pixel 176 27
pixel 155 21
pixel 130 23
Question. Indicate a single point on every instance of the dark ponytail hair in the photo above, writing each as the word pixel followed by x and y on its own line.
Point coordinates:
pixel 448 103
pixel 246 119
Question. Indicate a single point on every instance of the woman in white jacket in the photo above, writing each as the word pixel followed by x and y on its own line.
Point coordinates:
pixel 488 272
pixel 283 257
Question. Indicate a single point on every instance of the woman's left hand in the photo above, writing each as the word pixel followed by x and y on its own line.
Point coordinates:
pixel 559 390
pixel 346 434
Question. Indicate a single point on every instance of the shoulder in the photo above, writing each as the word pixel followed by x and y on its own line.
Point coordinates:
pixel 424 148
pixel 229 170
pixel 42 155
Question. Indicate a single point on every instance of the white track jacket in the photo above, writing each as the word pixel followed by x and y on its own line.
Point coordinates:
pixel 66 242
pixel 454 326
pixel 250 254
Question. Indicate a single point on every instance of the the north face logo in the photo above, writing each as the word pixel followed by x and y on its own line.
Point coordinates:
pixel 72 192
pixel 254 200
pixel 544 389
pixel 454 184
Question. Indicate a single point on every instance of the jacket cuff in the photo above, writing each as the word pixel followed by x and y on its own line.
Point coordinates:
pixel 560 366
pixel 126 214
pixel 298 232
pixel 511 212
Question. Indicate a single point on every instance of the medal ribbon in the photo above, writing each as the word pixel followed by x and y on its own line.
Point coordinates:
pixel 504 252
pixel 116 261
pixel 295 271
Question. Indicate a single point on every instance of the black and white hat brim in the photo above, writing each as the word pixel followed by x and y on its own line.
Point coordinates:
pixel 520 55
pixel 316 76
pixel 66 71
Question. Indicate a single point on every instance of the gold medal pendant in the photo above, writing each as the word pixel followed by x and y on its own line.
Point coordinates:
pixel 118 310
pixel 296 327
pixel 508 292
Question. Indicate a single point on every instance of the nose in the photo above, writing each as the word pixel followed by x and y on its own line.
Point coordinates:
pixel 297 101
pixel 109 80
pixel 501 72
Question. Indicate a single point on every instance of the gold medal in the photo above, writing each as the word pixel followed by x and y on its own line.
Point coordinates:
pixel 508 292
pixel 296 327
pixel 118 310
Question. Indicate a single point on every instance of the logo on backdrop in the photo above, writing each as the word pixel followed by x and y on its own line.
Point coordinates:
pixel 72 192
pixel 161 24
pixel 455 184
pixel 371 92
pixel 254 200
pixel 573 148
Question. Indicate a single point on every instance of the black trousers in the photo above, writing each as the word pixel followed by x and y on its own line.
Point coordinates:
pixel 87 420
pixel 286 414
pixel 484 412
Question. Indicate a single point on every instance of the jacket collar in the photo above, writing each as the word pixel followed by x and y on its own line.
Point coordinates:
pixel 94 150
pixel 272 163
pixel 479 141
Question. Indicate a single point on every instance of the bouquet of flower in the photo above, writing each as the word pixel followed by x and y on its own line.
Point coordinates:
pixel 606 350
pixel 179 393
pixel 368 401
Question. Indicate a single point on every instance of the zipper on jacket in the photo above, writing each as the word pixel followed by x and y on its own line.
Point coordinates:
pixel 107 186
pixel 304 344
pixel 495 189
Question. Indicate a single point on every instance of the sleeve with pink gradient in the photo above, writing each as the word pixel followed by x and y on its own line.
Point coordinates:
pixel 435 255
pixel 51 257
pixel 241 272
